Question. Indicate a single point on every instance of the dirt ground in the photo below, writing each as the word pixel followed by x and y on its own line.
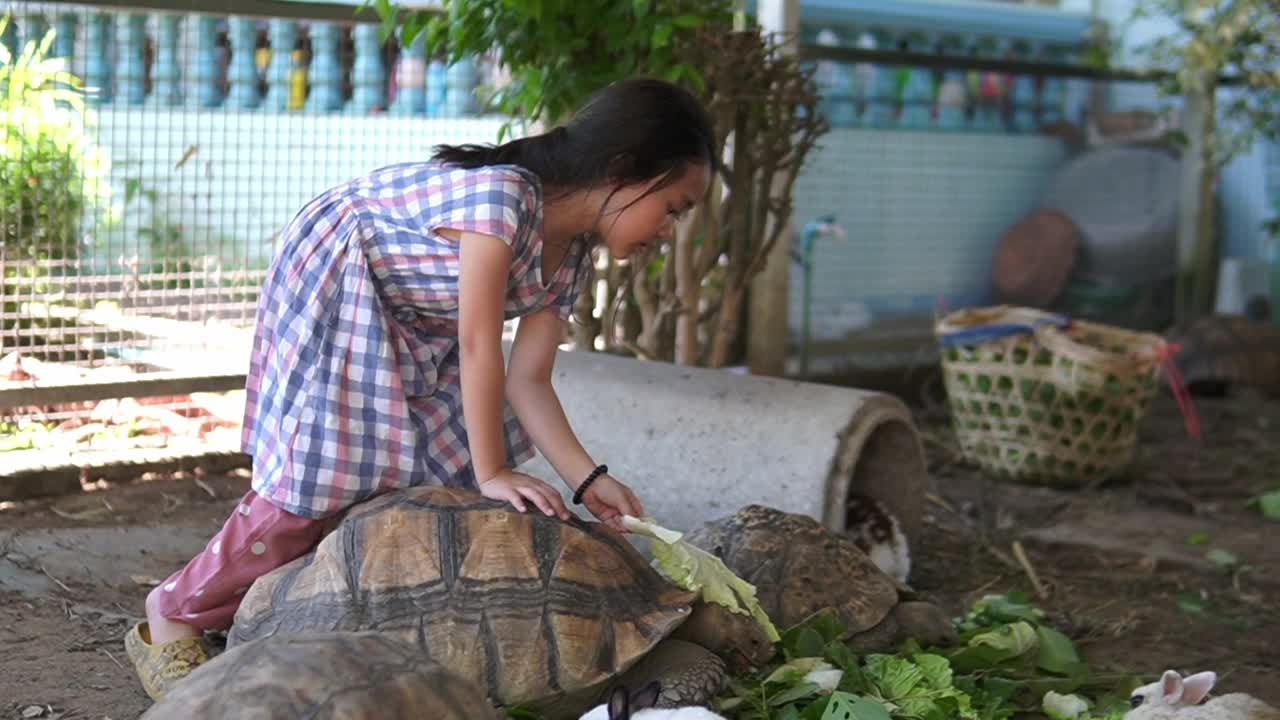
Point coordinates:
pixel 1127 569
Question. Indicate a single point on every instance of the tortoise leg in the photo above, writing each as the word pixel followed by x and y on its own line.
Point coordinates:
pixel 688 674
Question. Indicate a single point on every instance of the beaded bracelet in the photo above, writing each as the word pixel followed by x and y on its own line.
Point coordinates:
pixel 582 489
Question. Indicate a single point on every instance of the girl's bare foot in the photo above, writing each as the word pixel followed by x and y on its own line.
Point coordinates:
pixel 163 630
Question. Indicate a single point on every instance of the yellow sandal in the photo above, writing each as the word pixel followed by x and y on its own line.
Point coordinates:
pixel 160 666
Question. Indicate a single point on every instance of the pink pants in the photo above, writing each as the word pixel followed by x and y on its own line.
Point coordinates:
pixel 258 538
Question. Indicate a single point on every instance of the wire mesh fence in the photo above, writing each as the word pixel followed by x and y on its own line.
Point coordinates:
pixel 151 158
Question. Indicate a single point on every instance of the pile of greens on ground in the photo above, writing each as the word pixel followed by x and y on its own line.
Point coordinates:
pixel 1007 662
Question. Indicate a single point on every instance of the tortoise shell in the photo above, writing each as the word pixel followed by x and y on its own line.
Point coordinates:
pixel 323 675
pixel 531 608
pixel 1218 350
pixel 800 567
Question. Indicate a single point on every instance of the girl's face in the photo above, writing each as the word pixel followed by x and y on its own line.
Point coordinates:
pixel 651 219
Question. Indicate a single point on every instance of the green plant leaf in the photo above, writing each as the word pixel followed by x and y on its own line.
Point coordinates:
pixel 896 677
pixel 1063 707
pixel 1000 609
pixel 935 669
pixel 844 706
pixel 917 707
pixel 809 643
pixel 1191 602
pixel 1222 558
pixel 789 713
pixel 1057 652
pixel 824 622
pixel 1009 641
pixel 798 691
pixel 794 670
pixel 387 14
pixel 693 568
pixel 1269 504
pixel 842 656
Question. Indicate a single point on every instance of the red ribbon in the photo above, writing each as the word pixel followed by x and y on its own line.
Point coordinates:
pixel 1166 352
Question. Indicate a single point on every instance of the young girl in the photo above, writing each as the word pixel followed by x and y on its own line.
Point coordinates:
pixel 377 361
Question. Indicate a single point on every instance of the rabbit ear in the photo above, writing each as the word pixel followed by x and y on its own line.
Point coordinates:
pixel 619 704
pixel 1170 687
pixel 1195 687
pixel 647 696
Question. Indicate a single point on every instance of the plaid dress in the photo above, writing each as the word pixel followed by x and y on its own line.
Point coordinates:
pixel 354 379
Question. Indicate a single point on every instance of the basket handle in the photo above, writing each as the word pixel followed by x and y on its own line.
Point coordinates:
pixel 996 331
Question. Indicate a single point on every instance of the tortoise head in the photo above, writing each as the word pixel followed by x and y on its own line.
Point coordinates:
pixel 735 637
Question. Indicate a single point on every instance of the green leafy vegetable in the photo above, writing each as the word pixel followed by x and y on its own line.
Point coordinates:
pixel 693 568
pixel 1063 707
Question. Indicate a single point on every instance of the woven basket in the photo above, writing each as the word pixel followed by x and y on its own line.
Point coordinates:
pixel 1039 399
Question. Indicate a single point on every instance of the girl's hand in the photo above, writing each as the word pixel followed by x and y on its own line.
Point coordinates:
pixel 517 488
pixel 609 500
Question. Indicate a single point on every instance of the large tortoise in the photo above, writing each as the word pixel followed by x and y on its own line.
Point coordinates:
pixel 800 568
pixel 537 611
pixel 355 676
pixel 1222 350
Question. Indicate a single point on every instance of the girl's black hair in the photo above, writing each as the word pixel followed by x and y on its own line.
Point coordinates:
pixel 630 132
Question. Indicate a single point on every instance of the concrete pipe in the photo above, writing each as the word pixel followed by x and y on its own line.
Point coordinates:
pixel 697 444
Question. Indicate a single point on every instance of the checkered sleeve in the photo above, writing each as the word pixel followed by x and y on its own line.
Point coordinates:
pixel 497 202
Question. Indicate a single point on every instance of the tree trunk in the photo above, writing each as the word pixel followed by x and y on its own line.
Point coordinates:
pixel 646 341
pixel 1206 256
pixel 727 327
pixel 585 327
pixel 688 285
pixel 1196 269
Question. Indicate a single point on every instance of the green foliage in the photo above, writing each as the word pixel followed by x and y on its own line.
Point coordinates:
pixel 1234 38
pixel 50 170
pixel 558 52
pixel 1268 504
pixel 1008 661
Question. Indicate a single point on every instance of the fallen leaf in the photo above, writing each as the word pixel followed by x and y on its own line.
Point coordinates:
pixel 1269 504
pixel 1190 602
pixel 32 711
pixel 1221 558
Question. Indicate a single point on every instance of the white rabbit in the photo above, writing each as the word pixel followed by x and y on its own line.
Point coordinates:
pixel 623 705
pixel 877 532
pixel 1232 706
pixel 1174 697
pixel 1174 689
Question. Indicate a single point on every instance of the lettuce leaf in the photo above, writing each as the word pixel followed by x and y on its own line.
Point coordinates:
pixel 695 569
pixel 1063 707
pixel 919 687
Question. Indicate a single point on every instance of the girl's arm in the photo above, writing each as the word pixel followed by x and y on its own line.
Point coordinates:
pixel 533 356
pixel 482 287
pixel 534 400
pixel 482 291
